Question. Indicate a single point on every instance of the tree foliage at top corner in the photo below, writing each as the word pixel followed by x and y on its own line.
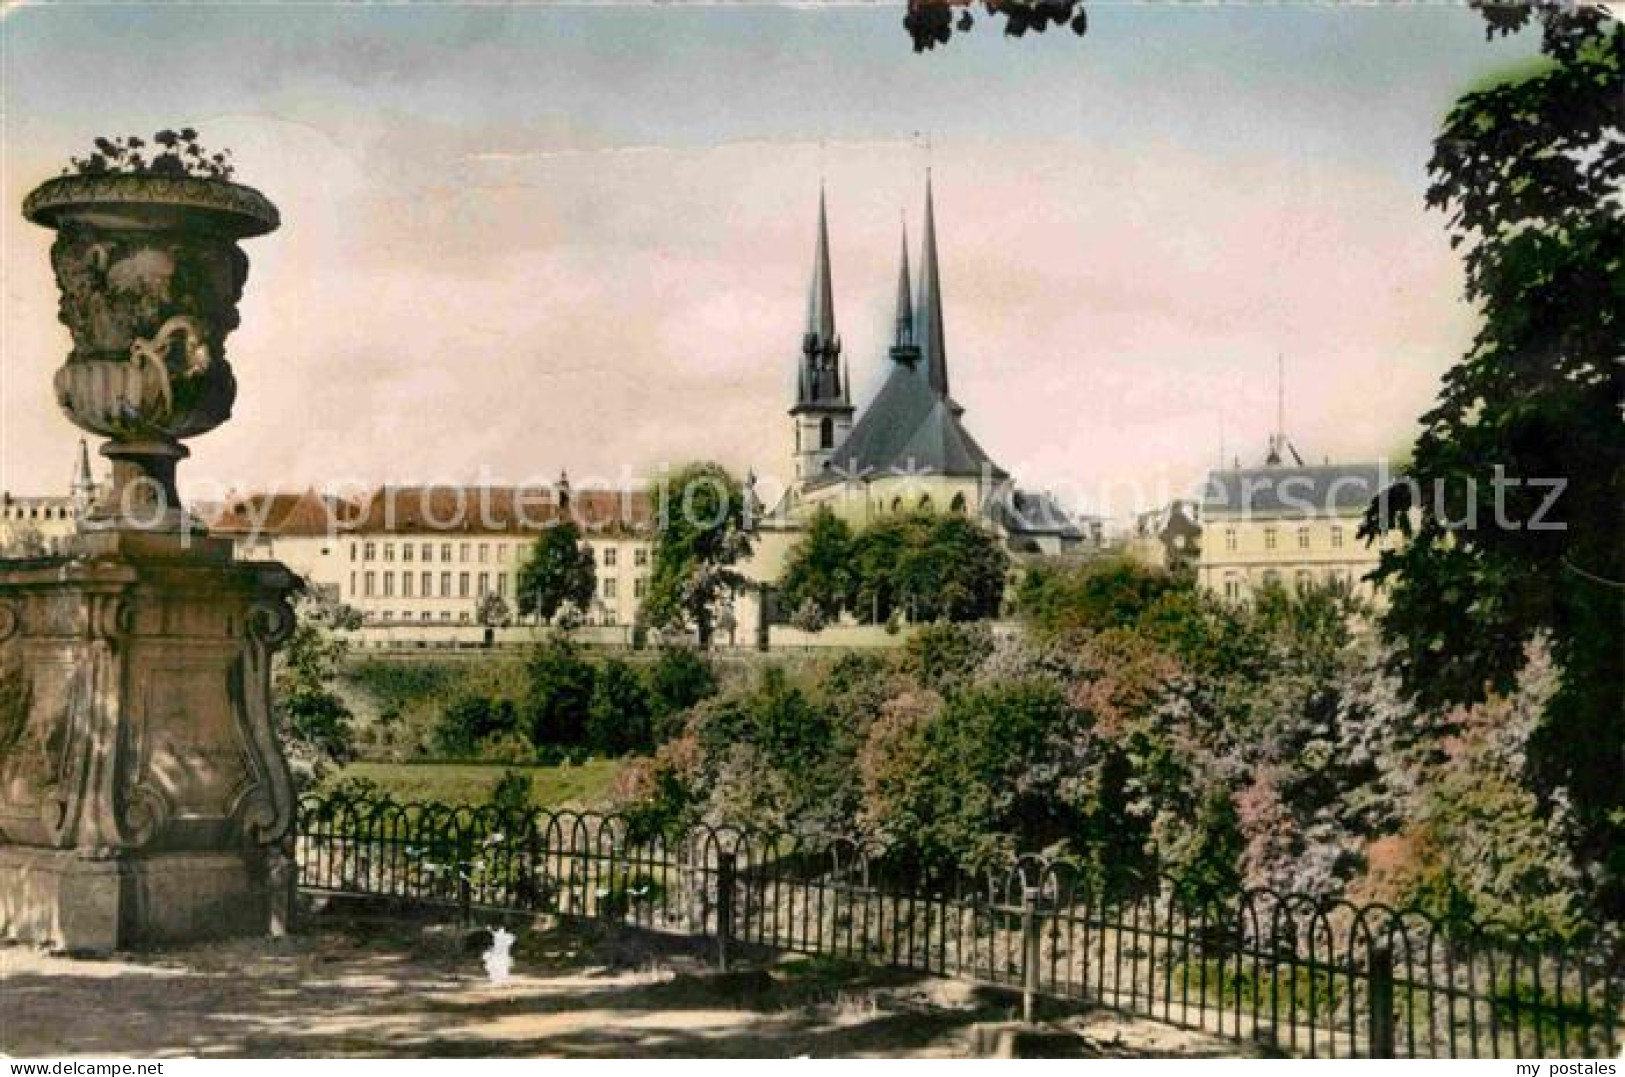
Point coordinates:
pixel 934 22
pixel 1515 504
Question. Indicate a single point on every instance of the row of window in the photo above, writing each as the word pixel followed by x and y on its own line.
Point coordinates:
pixel 1271 538
pixel 382 585
pixel 387 617
pixel 35 512
pixel 1302 579
pixel 481 552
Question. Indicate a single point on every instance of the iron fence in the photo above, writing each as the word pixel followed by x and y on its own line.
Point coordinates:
pixel 1284 971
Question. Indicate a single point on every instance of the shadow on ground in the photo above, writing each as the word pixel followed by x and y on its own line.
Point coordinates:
pixel 377 989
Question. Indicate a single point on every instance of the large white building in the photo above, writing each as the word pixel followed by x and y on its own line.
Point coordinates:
pixel 418 556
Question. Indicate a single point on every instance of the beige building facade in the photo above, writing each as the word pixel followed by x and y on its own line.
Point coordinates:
pixel 428 557
pixel 1288 525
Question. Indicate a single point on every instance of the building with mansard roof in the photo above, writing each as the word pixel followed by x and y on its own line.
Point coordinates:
pixel 1289 524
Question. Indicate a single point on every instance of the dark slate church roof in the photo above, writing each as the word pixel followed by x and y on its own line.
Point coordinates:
pixel 1295 491
pixel 1021 512
pixel 908 429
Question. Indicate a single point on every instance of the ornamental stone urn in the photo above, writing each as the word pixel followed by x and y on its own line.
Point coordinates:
pixel 144 798
pixel 150 273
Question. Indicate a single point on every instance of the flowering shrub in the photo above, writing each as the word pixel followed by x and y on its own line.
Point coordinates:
pixel 1259 746
pixel 167 153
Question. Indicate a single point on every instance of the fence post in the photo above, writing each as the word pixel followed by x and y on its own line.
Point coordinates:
pixel 725 906
pixel 465 882
pixel 1029 952
pixel 1380 998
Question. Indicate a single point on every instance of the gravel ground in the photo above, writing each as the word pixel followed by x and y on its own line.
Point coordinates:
pixel 373 989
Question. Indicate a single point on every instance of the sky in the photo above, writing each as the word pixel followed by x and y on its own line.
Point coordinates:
pixel 524 238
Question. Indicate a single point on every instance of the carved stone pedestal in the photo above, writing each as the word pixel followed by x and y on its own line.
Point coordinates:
pixel 143 798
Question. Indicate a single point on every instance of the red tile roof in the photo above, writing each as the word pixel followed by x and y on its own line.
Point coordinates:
pixel 438 509
pixel 307 513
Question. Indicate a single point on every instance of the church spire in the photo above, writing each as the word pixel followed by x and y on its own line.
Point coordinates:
pixel 928 309
pixel 83 487
pixel 821 298
pixel 820 369
pixel 903 335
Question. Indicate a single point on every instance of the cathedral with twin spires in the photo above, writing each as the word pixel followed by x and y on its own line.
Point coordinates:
pixel 908 450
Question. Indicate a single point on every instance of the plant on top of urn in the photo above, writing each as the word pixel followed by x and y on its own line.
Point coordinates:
pixel 167 153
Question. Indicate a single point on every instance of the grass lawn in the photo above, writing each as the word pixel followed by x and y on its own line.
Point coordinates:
pixel 471 783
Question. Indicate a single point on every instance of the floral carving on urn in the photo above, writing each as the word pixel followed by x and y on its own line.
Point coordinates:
pixel 150 274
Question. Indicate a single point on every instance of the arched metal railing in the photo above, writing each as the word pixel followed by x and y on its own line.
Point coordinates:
pixel 1283 970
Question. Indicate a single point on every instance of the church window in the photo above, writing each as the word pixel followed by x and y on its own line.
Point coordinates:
pixel 958 504
pixel 897 504
pixel 826 433
pixel 925 503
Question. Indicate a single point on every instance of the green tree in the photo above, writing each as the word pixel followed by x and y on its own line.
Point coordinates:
pixel 818 573
pixel 558 694
pixel 928 567
pixel 982 780
pixel 618 720
pixel 1055 599
pixel 679 679
pixel 945 656
pixel 313 718
pixel 469 721
pixel 558 575
pixel 700 535
pixel 1530 172
pixel 491 611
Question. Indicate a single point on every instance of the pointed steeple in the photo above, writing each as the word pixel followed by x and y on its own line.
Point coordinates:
pixel 928 308
pixel 819 382
pixel 821 298
pixel 904 332
pixel 83 487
